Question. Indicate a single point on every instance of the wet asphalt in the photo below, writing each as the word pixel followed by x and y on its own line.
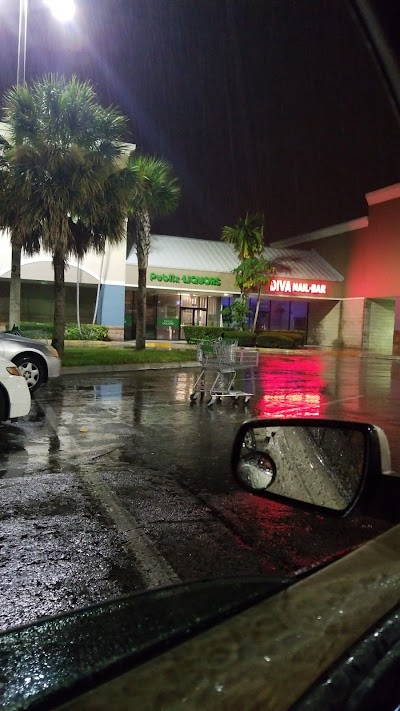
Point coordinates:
pixel 116 483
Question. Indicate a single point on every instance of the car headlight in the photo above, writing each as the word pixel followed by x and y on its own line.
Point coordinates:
pixel 52 351
pixel 13 370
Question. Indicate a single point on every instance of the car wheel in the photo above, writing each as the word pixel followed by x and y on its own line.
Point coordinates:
pixel 32 370
pixel 249 440
pixel 3 406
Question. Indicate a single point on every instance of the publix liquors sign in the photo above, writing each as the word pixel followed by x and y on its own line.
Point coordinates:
pixel 292 286
pixel 186 279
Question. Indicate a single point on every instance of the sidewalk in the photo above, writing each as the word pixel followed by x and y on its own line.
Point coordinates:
pixel 182 345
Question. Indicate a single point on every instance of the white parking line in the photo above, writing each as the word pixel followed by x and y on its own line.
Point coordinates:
pixel 151 565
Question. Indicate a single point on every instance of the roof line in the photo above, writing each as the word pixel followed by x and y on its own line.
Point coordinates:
pixel 349 226
pixel 391 192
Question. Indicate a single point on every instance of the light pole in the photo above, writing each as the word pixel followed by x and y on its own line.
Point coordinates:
pixel 62 10
pixel 23 23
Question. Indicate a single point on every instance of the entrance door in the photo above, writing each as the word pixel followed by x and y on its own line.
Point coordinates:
pixel 192 317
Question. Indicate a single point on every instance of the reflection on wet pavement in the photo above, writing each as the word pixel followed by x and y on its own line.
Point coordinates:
pixel 83 417
pixel 160 470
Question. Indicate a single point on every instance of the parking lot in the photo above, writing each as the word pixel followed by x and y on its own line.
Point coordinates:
pixel 116 483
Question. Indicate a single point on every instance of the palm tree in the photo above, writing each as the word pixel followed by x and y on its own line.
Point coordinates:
pixel 252 274
pixel 247 239
pixel 155 192
pixel 63 187
pixel 246 236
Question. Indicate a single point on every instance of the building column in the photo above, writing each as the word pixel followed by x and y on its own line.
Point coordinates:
pixel 111 311
pixel 352 323
pixel 396 330
pixel 324 323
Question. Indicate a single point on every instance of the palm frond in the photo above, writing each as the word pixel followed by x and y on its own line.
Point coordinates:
pixel 62 185
pixel 154 186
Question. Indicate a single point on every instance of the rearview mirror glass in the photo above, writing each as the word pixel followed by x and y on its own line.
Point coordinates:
pixel 318 464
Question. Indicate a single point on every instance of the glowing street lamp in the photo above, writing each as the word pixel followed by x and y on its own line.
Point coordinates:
pixel 62 10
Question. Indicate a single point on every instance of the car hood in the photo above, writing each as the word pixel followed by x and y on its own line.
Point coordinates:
pixel 19 339
pixel 59 657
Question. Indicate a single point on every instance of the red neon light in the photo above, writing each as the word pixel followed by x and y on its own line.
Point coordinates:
pixel 295 286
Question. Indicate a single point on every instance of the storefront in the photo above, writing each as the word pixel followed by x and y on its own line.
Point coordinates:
pixel 168 313
pixel 190 281
pixel 339 284
pixel 366 251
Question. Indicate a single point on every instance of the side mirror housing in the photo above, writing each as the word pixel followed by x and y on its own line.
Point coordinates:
pixel 326 465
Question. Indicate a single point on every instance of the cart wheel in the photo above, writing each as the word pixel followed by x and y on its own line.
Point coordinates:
pixel 211 402
pixel 194 396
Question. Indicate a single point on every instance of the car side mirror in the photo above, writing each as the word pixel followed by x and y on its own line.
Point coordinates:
pixel 322 464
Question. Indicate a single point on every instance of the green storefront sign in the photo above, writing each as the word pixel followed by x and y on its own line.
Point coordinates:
pixel 173 322
pixel 185 279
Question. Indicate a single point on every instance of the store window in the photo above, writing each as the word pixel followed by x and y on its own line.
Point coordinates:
pixel 280 312
pixel 130 315
pixel 128 324
pixel 193 301
pixel 298 316
pixel 263 313
pixel 214 311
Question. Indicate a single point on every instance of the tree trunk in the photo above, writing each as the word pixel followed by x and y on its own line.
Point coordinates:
pixel 142 250
pixel 257 308
pixel 14 316
pixel 141 311
pixel 59 302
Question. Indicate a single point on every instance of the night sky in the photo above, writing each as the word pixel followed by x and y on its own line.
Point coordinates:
pixel 269 105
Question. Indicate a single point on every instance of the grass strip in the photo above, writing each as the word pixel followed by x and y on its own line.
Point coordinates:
pixel 116 356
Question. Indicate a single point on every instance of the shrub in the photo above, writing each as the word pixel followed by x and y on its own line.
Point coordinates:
pixel 270 339
pixel 193 334
pixel 44 331
pixel 33 329
pixel 244 338
pixel 297 336
pixel 298 339
pixel 88 332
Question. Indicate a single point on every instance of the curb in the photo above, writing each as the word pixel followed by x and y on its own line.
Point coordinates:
pixel 126 367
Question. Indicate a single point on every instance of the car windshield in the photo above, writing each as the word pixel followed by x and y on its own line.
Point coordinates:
pixel 199 214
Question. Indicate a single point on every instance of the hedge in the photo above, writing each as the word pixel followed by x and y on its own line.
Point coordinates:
pixel 298 337
pixel 89 331
pixel 274 340
pixel 244 338
pixel 263 339
pixel 33 329
pixel 193 334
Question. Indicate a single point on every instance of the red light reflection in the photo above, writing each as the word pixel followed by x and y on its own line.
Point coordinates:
pixel 292 387
pixel 287 539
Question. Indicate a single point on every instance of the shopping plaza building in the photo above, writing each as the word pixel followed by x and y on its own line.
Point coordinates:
pixel 340 284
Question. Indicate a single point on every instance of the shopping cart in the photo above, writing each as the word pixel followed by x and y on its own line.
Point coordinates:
pixel 225 358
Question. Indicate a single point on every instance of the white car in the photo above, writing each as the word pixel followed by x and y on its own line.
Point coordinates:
pixel 37 361
pixel 15 396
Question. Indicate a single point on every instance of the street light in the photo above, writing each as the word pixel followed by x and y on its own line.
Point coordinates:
pixel 23 22
pixel 62 10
